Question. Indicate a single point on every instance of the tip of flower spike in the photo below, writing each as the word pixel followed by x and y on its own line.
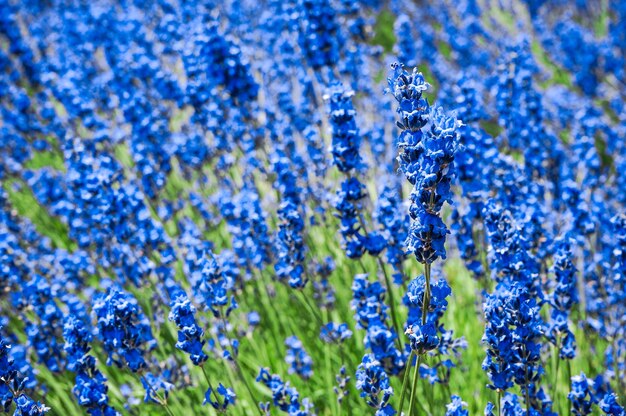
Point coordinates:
pixel 336 91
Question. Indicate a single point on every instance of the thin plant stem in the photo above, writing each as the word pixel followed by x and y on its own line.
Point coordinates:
pixel 235 361
pixel 405 380
pixel 568 367
pixel 328 368
pixel 363 267
pixel 265 301
pixel 430 396
pixel 162 401
pixel 618 379
pixel 527 395
pixel 303 300
pixel 446 384
pixel 414 385
pixel 556 370
pixel 425 305
pixel 206 376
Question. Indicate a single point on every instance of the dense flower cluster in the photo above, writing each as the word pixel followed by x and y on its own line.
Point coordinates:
pixel 427 145
pixel 190 335
pixel 333 332
pixel 588 392
pixel 512 334
pixel 406 50
pixel 394 225
pixel 373 382
pixel 318 38
pixel 124 331
pixel 564 297
pixel 212 285
pixel 91 386
pixel 13 382
pixel 291 251
pixel 347 158
pixel 25 406
pixel 424 335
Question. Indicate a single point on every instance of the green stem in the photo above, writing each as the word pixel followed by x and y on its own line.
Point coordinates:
pixel 425 305
pixel 329 373
pixel 569 375
pixel 236 362
pixel 405 381
pixel 430 395
pixel 264 295
pixel 528 405
pixel 303 300
pixel 445 380
pixel 414 385
pixel 206 376
pixel 618 378
pixel 556 370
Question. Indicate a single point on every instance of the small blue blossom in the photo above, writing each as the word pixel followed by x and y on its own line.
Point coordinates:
pixel 335 333
pixel 285 397
pixel 91 391
pixel 228 398
pixel 405 48
pixel 157 388
pixel 394 227
pixel 25 406
pixel 341 389
pixel 290 245
pixel 455 408
pixel 212 286
pixel 581 395
pixel 297 358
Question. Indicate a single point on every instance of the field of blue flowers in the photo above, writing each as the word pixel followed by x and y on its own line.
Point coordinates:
pixel 331 207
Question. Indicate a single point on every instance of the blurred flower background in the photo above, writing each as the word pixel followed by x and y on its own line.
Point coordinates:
pixel 312 207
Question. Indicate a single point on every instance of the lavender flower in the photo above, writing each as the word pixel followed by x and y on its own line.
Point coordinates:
pixel 335 333
pixel 426 158
pixel 565 295
pixel 455 408
pixel 373 382
pixel 25 406
pixel 371 315
pixel 190 335
pixel 228 398
pixel 285 397
pixel 123 329
pixel 297 358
